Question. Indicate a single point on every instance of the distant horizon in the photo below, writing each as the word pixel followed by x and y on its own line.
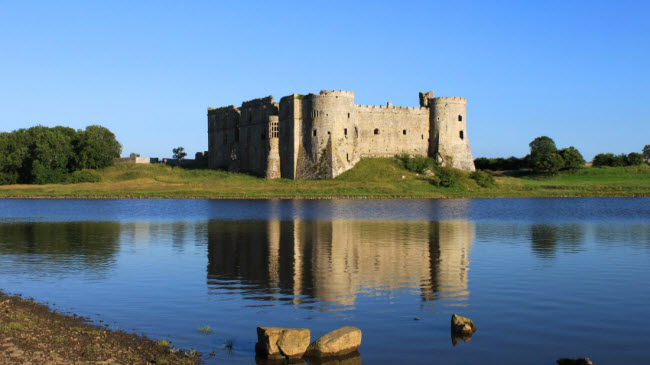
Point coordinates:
pixel 576 72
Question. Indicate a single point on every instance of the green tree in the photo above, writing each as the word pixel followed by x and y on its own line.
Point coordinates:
pixel 14 150
pixel 572 158
pixel 646 152
pixel 544 156
pixel 550 164
pixel 603 159
pixel 96 148
pixel 619 160
pixel 179 153
pixel 50 152
pixel 634 159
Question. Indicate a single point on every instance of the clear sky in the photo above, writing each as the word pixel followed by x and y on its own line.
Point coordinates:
pixel 577 71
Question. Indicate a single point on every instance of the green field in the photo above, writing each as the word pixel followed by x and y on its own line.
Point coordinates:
pixel 372 178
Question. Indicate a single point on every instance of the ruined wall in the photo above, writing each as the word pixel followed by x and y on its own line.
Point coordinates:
pixel 223 136
pixel 449 142
pixel 239 138
pixel 386 131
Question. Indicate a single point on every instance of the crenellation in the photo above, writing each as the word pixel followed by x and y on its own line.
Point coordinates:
pixel 322 135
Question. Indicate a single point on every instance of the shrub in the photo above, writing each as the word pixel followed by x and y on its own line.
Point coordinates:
pixel 414 164
pixel 482 178
pixel 447 177
pixel 572 158
pixel 603 159
pixel 83 176
pixel 634 159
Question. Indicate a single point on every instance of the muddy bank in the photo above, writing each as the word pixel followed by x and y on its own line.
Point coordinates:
pixel 31 333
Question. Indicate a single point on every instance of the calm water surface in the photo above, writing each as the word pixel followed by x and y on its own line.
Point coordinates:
pixel 542 278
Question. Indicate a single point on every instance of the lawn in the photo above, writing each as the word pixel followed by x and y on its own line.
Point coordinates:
pixel 371 178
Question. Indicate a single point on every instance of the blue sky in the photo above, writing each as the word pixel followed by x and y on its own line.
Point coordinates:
pixel 577 71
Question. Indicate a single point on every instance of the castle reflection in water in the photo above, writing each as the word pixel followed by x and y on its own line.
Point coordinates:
pixel 335 261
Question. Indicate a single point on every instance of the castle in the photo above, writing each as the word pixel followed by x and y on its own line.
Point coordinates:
pixel 324 135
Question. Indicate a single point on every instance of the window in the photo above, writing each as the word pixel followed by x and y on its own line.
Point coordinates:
pixel 376 130
pixel 348 115
pixel 423 136
pixel 462 136
pixel 347 157
pixel 274 130
pixel 314 133
pixel 404 132
pixel 460 118
pixel 345 131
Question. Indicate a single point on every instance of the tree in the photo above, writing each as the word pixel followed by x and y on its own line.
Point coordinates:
pixel 97 147
pixel 50 152
pixel 14 151
pixel 603 159
pixel 543 155
pixel 619 160
pixel 646 152
pixel 634 159
pixel 572 158
pixel 179 153
pixel 550 164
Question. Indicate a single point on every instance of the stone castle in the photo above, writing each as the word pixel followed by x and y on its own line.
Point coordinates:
pixel 324 135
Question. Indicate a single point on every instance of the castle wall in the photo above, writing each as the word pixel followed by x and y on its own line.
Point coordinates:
pixel 386 131
pixel 324 135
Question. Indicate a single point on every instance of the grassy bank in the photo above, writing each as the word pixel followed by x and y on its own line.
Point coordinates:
pixel 372 178
pixel 31 333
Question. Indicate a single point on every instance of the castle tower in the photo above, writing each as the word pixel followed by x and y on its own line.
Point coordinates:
pixel 448 133
pixel 273 157
pixel 331 143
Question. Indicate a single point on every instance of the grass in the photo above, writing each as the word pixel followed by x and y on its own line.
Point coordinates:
pixel 371 178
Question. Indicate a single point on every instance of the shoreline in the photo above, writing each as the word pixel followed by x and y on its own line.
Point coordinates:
pixel 333 197
pixel 32 332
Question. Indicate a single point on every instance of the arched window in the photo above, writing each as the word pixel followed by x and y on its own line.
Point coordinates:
pixel 460 118
pixel 462 136
pixel 376 130
pixel 345 131
pixel 404 132
pixel 314 133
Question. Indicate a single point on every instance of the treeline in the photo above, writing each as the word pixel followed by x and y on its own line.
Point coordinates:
pixel 545 158
pixel 44 155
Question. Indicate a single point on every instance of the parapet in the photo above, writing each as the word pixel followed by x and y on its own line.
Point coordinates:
pixel 257 102
pixel 222 109
pixel 450 100
pixel 343 93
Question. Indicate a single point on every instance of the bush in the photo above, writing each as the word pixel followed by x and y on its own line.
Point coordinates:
pixel 572 158
pixel 414 164
pixel 603 159
pixel 634 159
pixel 83 176
pixel 482 178
pixel 447 177
pixel 500 164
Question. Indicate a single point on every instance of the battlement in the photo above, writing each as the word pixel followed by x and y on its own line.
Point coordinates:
pixel 343 93
pixel 222 109
pixel 450 99
pixel 396 108
pixel 258 102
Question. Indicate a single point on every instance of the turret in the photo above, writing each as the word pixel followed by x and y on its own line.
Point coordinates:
pixel 448 133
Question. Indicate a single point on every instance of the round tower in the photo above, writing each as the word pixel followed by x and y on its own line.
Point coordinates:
pixel 448 133
pixel 332 135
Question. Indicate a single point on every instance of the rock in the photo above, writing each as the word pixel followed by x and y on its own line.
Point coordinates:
pixel 578 361
pixel 282 343
pixel 341 341
pixel 462 325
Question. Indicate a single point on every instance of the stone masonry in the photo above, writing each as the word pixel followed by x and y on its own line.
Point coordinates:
pixel 324 135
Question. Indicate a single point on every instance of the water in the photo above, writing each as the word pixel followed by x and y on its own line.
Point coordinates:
pixel 542 278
